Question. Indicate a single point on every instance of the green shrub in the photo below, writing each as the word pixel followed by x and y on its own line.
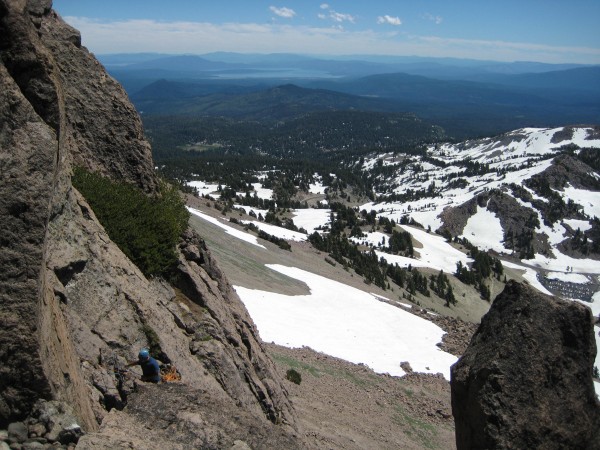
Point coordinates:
pixel 294 376
pixel 146 229
pixel 153 340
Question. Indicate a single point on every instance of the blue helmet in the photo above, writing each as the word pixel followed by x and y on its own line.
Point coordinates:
pixel 144 354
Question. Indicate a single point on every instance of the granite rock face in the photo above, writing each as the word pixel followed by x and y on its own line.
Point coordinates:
pixel 72 306
pixel 176 417
pixel 525 380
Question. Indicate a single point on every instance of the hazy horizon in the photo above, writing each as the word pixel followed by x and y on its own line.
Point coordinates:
pixel 511 31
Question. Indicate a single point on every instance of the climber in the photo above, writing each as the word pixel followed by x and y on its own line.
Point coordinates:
pixel 150 368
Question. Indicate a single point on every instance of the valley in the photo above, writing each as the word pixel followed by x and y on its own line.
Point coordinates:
pixel 301 251
pixel 452 201
pixel 456 203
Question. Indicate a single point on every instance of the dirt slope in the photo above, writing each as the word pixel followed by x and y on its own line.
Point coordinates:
pixel 344 405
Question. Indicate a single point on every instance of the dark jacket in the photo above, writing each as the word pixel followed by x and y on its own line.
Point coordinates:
pixel 150 370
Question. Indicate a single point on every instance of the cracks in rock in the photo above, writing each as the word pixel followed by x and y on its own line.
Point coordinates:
pixel 266 406
pixel 60 295
pixel 248 346
pixel 187 286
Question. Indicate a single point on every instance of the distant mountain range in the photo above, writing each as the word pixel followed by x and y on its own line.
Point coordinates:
pixel 346 66
pixel 467 98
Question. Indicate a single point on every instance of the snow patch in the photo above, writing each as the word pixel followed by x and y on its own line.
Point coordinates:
pixel 588 199
pixel 282 233
pixel 261 192
pixel 436 252
pixel 568 277
pixel 374 239
pixel 311 219
pixel 203 188
pixel 484 230
pixel 347 323
pixel 317 188
pixel 583 225
pixel 229 230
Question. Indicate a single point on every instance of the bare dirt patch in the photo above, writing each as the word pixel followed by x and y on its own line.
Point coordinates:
pixel 343 405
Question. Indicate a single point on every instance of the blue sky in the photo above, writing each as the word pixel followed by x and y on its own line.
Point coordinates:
pixel 526 30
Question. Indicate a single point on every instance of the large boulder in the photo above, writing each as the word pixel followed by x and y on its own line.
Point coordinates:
pixel 525 380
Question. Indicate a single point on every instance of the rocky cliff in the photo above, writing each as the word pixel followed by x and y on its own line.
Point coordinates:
pixel 525 381
pixel 72 306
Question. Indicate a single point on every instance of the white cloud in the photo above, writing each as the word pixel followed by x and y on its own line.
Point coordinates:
pixel 201 37
pixel 283 12
pixel 389 20
pixel 436 19
pixel 335 16
pixel 339 17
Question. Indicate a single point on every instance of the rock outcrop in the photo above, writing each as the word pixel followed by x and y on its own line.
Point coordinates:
pixel 525 380
pixel 72 306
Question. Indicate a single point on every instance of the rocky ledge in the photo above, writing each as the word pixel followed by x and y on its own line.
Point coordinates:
pixel 72 305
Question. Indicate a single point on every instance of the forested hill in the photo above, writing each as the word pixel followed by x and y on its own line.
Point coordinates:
pixel 314 135
pixel 464 108
pixel 275 103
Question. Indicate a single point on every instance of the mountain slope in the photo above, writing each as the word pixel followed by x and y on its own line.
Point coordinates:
pixel 539 195
pixel 482 196
pixel 73 308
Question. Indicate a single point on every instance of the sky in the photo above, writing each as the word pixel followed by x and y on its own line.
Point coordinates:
pixel 526 30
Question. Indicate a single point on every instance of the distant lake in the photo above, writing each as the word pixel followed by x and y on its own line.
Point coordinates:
pixel 273 73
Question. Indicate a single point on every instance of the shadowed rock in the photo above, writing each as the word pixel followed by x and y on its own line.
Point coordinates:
pixel 525 380
pixel 72 305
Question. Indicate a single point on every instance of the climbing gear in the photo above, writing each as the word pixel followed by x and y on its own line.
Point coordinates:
pixel 169 373
pixel 144 354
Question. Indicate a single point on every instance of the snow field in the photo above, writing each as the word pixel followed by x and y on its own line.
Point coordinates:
pixel 588 199
pixel 279 232
pixel 484 230
pixel 347 323
pixel 229 230
pixel 568 277
pixel 436 252
pixel 562 261
pixel 205 188
pixel 579 138
pixel 583 225
pixel 311 219
pixel 529 274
